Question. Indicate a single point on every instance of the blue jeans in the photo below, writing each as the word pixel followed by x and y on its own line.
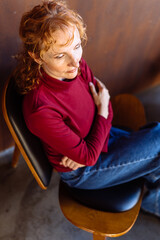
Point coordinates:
pixel 130 155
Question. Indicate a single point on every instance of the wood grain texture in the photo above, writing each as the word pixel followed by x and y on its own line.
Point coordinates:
pixel 98 237
pixel 94 221
pixel 123 48
pixel 128 112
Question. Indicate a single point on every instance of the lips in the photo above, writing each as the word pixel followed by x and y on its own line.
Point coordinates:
pixel 72 71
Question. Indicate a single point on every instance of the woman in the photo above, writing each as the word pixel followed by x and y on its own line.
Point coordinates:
pixel 70 111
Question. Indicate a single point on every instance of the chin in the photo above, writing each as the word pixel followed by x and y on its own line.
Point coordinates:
pixel 71 75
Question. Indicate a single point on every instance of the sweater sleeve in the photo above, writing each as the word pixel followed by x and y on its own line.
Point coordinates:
pixel 52 130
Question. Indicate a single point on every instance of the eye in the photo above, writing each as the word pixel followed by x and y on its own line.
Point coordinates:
pixel 59 56
pixel 78 46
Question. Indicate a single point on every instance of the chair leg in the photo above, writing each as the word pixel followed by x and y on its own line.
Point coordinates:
pixel 15 157
pixel 98 237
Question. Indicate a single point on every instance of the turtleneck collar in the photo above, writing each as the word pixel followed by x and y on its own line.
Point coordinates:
pixel 55 83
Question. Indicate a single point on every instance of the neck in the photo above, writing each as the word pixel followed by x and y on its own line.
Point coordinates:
pixel 51 75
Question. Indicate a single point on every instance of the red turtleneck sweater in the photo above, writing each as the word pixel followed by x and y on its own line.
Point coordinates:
pixel 63 115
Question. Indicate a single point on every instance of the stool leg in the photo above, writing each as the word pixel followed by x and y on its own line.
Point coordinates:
pixel 98 237
pixel 15 157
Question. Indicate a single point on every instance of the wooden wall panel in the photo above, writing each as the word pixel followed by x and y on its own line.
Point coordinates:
pixel 10 14
pixel 123 47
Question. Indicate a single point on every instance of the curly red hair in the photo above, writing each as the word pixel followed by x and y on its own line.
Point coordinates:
pixel 36 28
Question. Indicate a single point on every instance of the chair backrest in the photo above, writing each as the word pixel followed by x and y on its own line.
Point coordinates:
pixel 28 144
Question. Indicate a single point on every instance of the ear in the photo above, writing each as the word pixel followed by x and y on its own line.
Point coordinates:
pixel 34 56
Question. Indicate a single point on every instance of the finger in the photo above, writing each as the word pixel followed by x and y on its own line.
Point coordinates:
pixel 64 158
pixel 68 162
pixel 72 165
pixel 64 161
pixel 100 84
pixel 93 90
pixel 75 168
pixel 75 165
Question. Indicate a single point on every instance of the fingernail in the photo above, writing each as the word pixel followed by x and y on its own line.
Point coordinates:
pixel 90 83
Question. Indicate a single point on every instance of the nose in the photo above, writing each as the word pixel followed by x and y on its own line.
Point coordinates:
pixel 74 61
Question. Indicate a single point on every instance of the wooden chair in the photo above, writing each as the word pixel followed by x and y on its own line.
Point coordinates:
pixel 100 222
pixel 25 142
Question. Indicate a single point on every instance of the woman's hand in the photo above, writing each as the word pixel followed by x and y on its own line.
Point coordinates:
pixel 101 98
pixel 67 162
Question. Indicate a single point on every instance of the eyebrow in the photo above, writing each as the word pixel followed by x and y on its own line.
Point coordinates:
pixel 58 53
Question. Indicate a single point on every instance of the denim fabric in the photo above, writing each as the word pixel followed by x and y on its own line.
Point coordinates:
pixel 130 155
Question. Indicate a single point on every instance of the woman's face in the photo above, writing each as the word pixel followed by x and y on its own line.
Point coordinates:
pixel 62 61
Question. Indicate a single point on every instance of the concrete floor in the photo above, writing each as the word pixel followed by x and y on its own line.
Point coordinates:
pixel 29 213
